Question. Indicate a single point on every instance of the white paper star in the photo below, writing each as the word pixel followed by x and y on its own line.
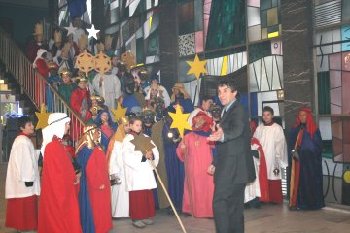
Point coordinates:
pixel 71 29
pixel 92 32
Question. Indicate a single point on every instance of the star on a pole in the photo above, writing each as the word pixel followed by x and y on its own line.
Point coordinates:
pixel 180 120
pixel 119 112
pixel 43 117
pixel 71 29
pixel 142 143
pixel 197 67
pixel 92 32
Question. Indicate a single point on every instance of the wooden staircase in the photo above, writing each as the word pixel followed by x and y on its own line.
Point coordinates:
pixel 21 82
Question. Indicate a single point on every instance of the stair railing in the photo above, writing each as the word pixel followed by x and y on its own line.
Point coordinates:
pixel 33 84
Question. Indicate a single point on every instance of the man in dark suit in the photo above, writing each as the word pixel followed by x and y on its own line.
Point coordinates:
pixel 233 167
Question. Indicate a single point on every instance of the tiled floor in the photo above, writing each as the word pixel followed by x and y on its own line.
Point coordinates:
pixel 268 219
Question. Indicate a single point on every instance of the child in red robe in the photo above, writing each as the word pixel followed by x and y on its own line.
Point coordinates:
pixel 40 63
pixel 80 99
pixel 196 153
pixel 95 191
pixel 23 181
pixel 80 103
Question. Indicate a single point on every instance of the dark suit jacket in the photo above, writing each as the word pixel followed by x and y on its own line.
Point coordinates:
pixel 234 162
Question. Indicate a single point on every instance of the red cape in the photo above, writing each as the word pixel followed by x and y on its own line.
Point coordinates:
pixel 264 189
pixel 59 208
pixel 42 67
pixel 100 199
pixel 76 100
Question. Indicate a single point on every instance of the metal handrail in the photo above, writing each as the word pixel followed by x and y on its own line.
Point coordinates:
pixel 32 83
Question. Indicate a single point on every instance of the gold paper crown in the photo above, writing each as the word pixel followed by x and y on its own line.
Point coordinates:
pixel 65 71
pixel 81 78
pixel 52 65
pixel 94 110
pixel 38 29
pixel 57 36
pixel 97 98
pixel 146 109
pixel 137 66
pixel 88 128
pixel 108 42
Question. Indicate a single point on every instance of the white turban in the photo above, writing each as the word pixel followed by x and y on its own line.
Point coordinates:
pixel 39 54
pixel 56 126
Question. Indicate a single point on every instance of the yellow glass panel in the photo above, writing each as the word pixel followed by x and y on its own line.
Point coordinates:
pixel 272 34
pixel 224 67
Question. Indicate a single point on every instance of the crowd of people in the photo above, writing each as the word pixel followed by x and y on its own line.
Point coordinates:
pixel 108 176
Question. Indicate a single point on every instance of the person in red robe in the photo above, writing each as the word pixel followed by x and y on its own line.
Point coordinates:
pixel 40 63
pixel 196 153
pixel 80 99
pixel 80 103
pixel 58 207
pixel 95 192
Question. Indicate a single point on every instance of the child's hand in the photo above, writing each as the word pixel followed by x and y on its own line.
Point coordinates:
pixel 149 155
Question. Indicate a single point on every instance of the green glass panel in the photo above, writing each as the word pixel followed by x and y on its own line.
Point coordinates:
pixel 227 25
pixel 153 44
pixel 274 3
pixel 265 4
pixel 258 51
pixel 198 15
pixel 263 19
pixel 273 29
pixel 139 50
pixel 324 103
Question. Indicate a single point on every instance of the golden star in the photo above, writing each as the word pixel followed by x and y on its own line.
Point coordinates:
pixel 180 120
pixel 142 143
pixel 119 112
pixel 43 117
pixel 197 67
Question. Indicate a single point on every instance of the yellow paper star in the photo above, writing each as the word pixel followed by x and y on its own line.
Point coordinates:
pixel 43 117
pixel 197 67
pixel 119 112
pixel 180 120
